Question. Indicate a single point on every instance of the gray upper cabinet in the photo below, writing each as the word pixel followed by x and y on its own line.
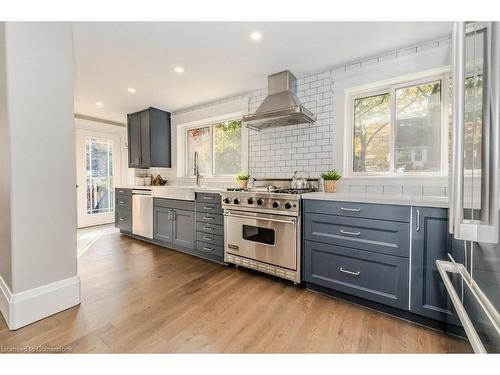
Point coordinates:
pixel 149 139
pixel 431 241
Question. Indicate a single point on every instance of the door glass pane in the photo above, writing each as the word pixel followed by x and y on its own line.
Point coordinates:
pixel 99 175
pixel 198 140
pixel 258 234
pixel 372 137
pixel 418 128
pixel 227 148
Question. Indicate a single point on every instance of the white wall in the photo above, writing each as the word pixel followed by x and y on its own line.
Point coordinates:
pixel 5 235
pixel 39 87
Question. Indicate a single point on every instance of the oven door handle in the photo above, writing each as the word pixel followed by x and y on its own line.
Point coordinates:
pixel 260 218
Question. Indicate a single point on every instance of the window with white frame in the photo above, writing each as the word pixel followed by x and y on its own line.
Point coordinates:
pixel 399 129
pixel 220 148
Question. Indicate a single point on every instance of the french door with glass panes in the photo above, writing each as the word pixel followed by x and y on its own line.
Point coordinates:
pixel 98 172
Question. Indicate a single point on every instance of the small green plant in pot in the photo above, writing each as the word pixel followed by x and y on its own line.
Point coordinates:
pixel 242 180
pixel 330 180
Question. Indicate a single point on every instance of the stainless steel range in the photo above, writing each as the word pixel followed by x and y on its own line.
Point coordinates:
pixel 262 230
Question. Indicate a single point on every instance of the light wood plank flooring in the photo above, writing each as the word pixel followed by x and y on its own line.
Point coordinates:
pixel 138 297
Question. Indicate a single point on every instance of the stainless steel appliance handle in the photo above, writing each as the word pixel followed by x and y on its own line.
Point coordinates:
pixel 444 267
pixel 350 272
pixel 417 221
pixel 259 218
pixel 457 181
pixel 350 209
pixel 350 233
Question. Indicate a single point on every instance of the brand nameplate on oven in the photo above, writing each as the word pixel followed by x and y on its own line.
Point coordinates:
pixel 234 247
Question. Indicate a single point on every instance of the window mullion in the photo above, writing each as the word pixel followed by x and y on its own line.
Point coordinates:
pixel 392 149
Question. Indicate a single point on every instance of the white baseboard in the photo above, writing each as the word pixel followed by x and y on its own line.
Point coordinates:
pixel 21 309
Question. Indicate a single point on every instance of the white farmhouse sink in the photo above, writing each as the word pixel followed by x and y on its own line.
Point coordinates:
pixel 182 192
pixel 185 193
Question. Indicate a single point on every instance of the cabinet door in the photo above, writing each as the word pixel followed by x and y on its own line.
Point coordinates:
pixel 145 139
pixel 430 241
pixel 159 122
pixel 134 140
pixel 163 224
pixel 183 228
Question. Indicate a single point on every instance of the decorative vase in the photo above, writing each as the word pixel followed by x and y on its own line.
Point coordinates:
pixel 242 184
pixel 330 186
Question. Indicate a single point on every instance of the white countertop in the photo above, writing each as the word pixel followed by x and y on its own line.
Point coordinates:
pixel 441 202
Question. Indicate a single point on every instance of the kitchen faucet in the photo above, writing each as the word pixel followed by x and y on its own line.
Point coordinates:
pixel 197 168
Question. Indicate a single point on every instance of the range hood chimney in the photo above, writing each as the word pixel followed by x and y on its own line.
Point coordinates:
pixel 281 107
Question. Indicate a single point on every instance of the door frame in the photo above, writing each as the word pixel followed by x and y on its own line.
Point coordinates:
pixel 83 219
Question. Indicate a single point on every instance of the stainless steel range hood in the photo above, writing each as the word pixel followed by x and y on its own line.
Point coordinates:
pixel 281 107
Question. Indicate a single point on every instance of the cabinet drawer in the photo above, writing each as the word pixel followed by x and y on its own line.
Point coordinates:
pixel 208 197
pixel 380 236
pixel 376 277
pixel 123 191
pixel 210 228
pixel 212 249
pixel 363 210
pixel 209 207
pixel 123 219
pixel 210 238
pixel 123 201
pixel 174 203
pixel 209 218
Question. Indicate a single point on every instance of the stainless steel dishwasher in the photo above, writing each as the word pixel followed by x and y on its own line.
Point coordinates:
pixel 142 213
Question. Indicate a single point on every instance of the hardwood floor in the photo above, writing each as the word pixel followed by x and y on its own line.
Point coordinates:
pixel 138 297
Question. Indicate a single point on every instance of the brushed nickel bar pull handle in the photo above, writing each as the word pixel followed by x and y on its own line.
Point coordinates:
pixel 208 217
pixel 208 238
pixel 417 224
pixel 121 202
pixel 350 272
pixel 121 219
pixel 208 228
pixel 208 198
pixel 207 208
pixel 208 248
pixel 350 233
pixel 350 209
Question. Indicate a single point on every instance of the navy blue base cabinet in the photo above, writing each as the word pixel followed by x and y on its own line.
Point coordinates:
pixel 430 242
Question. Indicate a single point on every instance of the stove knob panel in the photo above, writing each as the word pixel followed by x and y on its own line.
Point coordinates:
pixel 236 201
pixel 288 205
pixel 250 200
pixel 260 201
pixel 276 204
pixel 227 200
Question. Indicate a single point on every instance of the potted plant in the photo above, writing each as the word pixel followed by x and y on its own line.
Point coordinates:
pixel 330 179
pixel 242 180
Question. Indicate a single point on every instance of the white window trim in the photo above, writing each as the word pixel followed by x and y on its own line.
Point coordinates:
pixel 389 86
pixel 182 143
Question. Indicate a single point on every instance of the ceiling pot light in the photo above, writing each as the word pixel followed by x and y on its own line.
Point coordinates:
pixel 179 69
pixel 256 36
pixel 99 104
pixel 131 90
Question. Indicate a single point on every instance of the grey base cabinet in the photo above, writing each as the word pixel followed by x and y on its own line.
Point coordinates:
pixel 430 242
pixel 123 209
pixel 174 222
pixel 209 227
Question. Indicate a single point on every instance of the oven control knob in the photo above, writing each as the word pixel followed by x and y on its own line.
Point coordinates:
pixel 288 205
pixel 236 201
pixel 250 200
pixel 276 204
pixel 227 200
pixel 260 201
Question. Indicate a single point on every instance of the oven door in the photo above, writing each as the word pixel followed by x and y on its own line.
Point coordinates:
pixel 263 237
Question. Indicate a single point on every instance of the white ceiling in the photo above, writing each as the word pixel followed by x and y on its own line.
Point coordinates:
pixel 219 59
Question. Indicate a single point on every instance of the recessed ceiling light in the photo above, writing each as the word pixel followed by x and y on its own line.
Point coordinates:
pixel 179 69
pixel 131 90
pixel 99 104
pixel 256 36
